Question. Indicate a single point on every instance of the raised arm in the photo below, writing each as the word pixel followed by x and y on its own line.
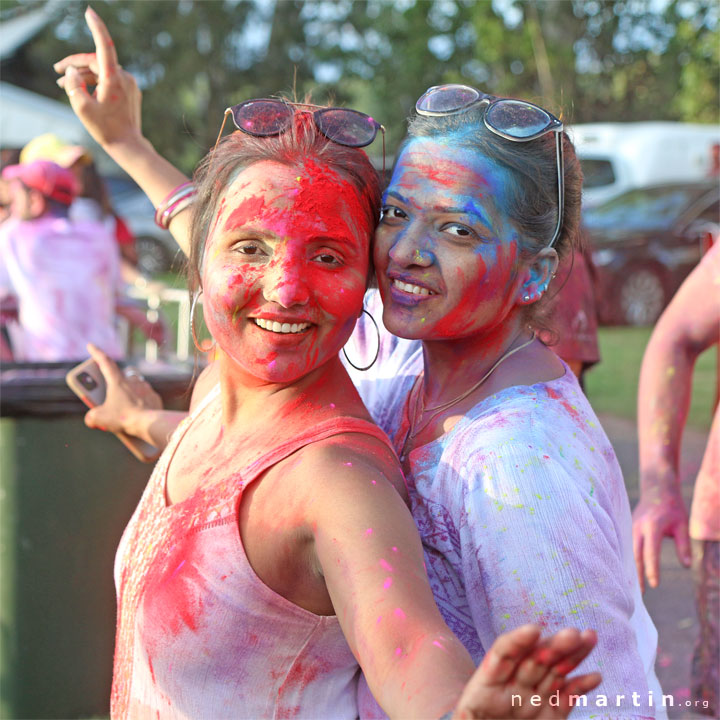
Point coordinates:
pixel 112 116
pixel 689 325
pixel 370 555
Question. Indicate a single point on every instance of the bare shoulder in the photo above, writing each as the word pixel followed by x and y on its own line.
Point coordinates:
pixel 351 464
pixel 208 378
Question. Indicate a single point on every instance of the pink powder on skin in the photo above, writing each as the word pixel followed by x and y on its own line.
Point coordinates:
pixel 290 259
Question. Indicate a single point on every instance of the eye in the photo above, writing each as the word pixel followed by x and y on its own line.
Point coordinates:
pixel 391 212
pixel 249 247
pixel 458 230
pixel 327 258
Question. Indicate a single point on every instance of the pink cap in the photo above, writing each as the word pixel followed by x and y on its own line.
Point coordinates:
pixel 46 177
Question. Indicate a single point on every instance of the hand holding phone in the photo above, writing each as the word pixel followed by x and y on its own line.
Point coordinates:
pixel 99 382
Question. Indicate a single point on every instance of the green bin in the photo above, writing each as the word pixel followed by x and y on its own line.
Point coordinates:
pixel 66 494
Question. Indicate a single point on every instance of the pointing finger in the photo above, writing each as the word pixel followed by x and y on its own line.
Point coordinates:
pixel 104 46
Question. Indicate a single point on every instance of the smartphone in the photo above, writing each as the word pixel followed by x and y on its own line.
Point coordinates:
pixel 88 383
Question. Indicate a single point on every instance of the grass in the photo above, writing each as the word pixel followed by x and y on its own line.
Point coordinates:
pixel 612 384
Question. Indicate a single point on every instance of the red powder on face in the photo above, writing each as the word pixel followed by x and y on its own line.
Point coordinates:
pixel 293 248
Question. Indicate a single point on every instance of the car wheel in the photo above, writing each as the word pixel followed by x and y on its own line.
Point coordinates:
pixel 642 297
pixel 153 256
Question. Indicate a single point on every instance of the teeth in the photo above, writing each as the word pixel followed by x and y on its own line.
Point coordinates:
pixel 282 328
pixel 414 289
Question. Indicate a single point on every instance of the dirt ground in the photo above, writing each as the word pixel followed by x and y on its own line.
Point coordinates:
pixel 671 605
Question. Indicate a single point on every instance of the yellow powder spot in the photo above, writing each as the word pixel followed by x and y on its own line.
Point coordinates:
pixel 298 178
pixel 670 371
pixel 506 616
pixel 538 496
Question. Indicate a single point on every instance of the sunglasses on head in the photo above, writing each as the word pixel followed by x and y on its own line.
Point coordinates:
pixel 514 120
pixel 267 117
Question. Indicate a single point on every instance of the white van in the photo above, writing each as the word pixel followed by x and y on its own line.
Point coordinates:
pixel 616 157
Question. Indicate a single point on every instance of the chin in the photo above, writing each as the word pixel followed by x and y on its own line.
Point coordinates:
pixel 402 326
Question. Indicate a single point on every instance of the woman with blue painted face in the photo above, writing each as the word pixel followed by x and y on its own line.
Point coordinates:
pixel 513 484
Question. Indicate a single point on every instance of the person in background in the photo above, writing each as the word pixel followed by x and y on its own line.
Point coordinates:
pixel 64 274
pixel 92 201
pixel 689 326
pixel 93 204
pixel 574 335
pixel 8 156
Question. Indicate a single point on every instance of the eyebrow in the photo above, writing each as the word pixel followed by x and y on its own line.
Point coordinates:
pixel 477 212
pixel 397 195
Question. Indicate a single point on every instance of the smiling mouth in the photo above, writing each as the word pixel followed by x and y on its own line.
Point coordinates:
pixel 282 328
pixel 412 289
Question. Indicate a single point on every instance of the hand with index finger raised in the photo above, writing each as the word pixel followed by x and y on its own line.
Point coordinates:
pixel 112 115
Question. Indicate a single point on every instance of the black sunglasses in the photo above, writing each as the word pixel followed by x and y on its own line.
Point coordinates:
pixel 515 120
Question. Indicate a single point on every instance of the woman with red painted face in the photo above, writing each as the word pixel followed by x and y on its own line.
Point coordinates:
pixel 272 552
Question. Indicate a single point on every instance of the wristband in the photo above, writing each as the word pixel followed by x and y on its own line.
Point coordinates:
pixel 175 209
pixel 171 200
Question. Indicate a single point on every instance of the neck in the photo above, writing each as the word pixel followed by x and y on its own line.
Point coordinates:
pixel 249 402
pixel 452 366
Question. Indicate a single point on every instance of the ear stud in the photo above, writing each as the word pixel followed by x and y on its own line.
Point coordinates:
pixel 526 298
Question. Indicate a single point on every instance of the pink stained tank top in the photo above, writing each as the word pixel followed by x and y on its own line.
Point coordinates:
pixel 199 635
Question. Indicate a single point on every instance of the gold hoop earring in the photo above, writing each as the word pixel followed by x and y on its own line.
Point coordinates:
pixel 197 345
pixel 377 351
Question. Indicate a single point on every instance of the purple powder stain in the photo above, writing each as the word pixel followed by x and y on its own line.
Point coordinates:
pixel 385 565
pixel 387 583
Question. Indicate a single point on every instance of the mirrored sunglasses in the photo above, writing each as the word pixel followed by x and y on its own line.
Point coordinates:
pixel 267 117
pixel 514 120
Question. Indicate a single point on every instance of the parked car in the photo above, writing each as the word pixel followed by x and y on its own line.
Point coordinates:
pixel 645 242
pixel 155 247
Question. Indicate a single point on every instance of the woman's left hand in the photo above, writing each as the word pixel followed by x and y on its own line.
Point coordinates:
pixel 525 677
pixel 112 113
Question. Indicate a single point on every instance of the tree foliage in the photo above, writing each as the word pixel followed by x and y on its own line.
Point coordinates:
pixel 592 60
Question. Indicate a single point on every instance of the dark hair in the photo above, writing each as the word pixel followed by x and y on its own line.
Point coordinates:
pixel 531 197
pixel 300 143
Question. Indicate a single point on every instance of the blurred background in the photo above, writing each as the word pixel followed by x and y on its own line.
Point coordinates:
pixel 636 81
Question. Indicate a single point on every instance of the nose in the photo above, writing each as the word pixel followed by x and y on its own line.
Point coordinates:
pixel 412 248
pixel 285 283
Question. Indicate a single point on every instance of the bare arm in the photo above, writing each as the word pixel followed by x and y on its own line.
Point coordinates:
pixel 112 115
pixel 689 325
pixel 371 558
pixel 133 407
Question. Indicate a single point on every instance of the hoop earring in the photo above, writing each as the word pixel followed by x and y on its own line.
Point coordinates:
pixel 192 325
pixel 377 351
